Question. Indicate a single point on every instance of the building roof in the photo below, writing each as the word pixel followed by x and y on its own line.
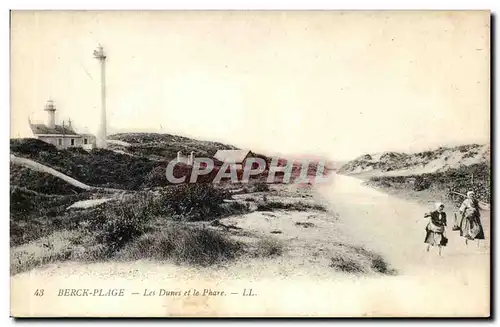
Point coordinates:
pixel 57 130
pixel 232 156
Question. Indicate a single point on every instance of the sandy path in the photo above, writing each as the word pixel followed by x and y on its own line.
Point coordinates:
pixel 395 227
pixel 456 284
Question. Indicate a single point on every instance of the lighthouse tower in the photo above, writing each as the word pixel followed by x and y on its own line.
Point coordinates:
pixel 51 113
pixel 102 133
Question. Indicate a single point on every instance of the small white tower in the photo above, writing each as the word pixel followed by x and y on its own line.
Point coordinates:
pixel 191 159
pixel 102 133
pixel 51 113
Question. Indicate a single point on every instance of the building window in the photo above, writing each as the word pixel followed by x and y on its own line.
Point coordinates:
pixel 72 141
pixel 59 141
pixel 85 141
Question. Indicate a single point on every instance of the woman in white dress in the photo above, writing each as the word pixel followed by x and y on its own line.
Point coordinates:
pixel 470 224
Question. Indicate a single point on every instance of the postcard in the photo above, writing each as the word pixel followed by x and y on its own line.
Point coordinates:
pixel 250 164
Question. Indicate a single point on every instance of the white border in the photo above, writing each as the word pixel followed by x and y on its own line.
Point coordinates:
pixel 256 4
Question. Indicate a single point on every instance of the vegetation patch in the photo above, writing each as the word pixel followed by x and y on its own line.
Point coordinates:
pixel 166 146
pixel 267 247
pixel 54 248
pixel 195 202
pixel 183 244
pixel 99 233
pixel 40 182
pixel 117 225
pixel 34 215
pixel 348 264
pixel 358 260
pixel 305 224
pixel 260 187
pixel 291 206
pixel 393 161
pixel 465 178
pixel 98 167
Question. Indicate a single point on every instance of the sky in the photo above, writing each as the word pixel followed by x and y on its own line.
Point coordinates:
pixel 335 84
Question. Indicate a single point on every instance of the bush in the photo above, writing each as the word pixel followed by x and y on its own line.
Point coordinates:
pixel 117 224
pixel 347 264
pixel 25 204
pixel 377 262
pixel 421 183
pixel 27 261
pixel 293 206
pixel 157 177
pixel 470 154
pixel 34 215
pixel 233 208
pixel 458 179
pixel 30 146
pixel 356 259
pixel 191 202
pixel 268 247
pixel 183 244
pixel 261 187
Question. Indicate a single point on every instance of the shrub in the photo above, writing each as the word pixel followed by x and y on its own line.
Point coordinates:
pixel 385 184
pixel 457 179
pixel 421 183
pixel 191 202
pixel 157 177
pixel 183 244
pixel 356 259
pixel 90 253
pixel 470 154
pixel 25 203
pixel 346 264
pixel 305 224
pixel 268 247
pixel 233 208
pixel 294 206
pixel 53 248
pixel 30 146
pixel 261 187
pixel 467 147
pixel 377 262
pixel 34 215
pixel 118 224
pixel 28 261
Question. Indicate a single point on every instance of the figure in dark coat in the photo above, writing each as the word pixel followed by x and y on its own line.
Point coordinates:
pixel 436 227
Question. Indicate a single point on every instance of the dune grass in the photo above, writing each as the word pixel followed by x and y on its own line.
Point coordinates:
pixel 291 206
pixel 475 177
pixel 156 225
pixel 183 244
pixel 358 260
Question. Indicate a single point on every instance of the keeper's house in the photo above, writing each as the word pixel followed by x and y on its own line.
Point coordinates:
pixel 234 157
pixel 62 136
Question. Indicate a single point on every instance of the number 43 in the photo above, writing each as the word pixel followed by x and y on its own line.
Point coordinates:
pixel 39 292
